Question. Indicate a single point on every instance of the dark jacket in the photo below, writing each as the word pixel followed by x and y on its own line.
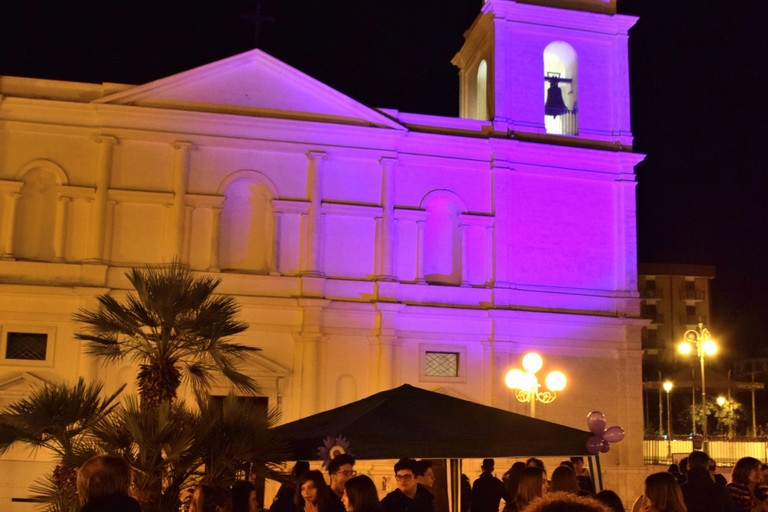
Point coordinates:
pixel 397 501
pixel 114 503
pixel 701 494
pixel 742 498
pixel 487 492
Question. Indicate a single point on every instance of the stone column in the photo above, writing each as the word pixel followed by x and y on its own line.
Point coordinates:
pixel 312 361
pixel 59 230
pixel 99 214
pixel 10 191
pixel 385 250
pixel 420 251
pixel 177 219
pixel 312 254
pixel 464 234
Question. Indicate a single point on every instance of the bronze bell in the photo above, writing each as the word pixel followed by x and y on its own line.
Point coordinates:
pixel 554 104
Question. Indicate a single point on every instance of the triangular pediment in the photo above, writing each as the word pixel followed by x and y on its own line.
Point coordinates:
pixel 254 84
pixel 17 385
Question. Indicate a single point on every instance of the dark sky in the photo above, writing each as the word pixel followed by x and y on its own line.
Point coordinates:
pixel 699 70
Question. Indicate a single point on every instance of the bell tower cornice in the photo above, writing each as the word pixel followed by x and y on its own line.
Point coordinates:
pixel 601 6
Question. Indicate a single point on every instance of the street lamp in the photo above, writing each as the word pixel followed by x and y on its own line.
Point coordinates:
pixel 526 384
pixel 668 388
pixel 705 345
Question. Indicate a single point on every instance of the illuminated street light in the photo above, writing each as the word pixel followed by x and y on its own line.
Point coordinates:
pixel 705 345
pixel 668 387
pixel 526 384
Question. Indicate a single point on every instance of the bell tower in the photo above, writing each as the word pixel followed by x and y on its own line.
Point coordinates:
pixel 548 67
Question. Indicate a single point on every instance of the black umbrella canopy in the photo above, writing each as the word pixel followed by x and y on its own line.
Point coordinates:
pixel 411 422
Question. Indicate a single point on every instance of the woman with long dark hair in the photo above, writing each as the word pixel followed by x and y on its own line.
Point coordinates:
pixel 312 493
pixel 745 479
pixel 533 484
pixel 360 495
pixel 662 493
pixel 564 480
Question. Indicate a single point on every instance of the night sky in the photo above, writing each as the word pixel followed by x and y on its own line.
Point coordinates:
pixel 699 70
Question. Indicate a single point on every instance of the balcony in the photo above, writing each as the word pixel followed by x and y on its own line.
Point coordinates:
pixel 693 320
pixel 697 295
pixel 651 294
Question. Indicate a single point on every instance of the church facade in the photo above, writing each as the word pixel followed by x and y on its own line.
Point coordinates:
pixel 368 248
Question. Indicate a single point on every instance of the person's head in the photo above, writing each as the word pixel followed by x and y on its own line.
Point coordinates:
pixel 103 475
pixel 533 461
pixel 532 485
pixel 563 480
pixel 611 500
pixel 405 475
pixel 424 473
pixel 696 460
pixel 360 495
pixel 341 469
pixel 488 465
pixel 210 498
pixel 764 472
pixel 674 469
pixel 513 477
pixel 244 497
pixel 301 467
pixel 683 465
pixel 578 463
pixel 566 502
pixel 311 487
pixel 662 493
pixel 569 464
pixel 746 471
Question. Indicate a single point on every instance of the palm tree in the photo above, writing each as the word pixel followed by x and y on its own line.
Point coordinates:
pixel 174 327
pixel 60 418
pixel 172 447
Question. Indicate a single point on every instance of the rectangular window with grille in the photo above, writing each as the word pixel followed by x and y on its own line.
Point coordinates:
pixel 29 346
pixel 441 364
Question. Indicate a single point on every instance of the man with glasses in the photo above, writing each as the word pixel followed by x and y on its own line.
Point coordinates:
pixel 409 495
pixel 340 469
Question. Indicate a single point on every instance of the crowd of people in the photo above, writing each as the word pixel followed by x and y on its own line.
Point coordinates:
pixel 693 485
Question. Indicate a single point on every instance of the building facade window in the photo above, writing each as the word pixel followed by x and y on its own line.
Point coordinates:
pixel 441 364
pixel 442 256
pixel 35 222
pixel 26 345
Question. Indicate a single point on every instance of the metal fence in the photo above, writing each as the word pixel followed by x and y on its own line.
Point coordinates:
pixel 725 452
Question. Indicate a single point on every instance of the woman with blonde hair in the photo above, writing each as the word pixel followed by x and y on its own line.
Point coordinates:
pixel 662 493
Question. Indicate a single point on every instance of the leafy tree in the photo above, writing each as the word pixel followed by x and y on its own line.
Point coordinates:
pixel 174 327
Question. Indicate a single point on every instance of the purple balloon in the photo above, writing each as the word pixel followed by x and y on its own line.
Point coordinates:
pixel 594 444
pixel 606 447
pixel 614 434
pixel 596 423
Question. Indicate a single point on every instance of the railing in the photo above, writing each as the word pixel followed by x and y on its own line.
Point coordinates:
pixel 692 294
pixel 725 452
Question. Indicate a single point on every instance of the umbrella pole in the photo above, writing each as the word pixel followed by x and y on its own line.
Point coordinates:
pixel 594 470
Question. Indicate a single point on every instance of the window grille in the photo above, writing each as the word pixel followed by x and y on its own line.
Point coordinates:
pixel 26 345
pixel 441 364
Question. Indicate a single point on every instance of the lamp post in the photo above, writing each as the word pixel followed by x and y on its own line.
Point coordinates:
pixel 526 384
pixel 705 345
pixel 668 387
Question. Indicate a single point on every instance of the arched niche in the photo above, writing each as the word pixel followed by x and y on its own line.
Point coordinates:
pixel 442 238
pixel 34 228
pixel 247 227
